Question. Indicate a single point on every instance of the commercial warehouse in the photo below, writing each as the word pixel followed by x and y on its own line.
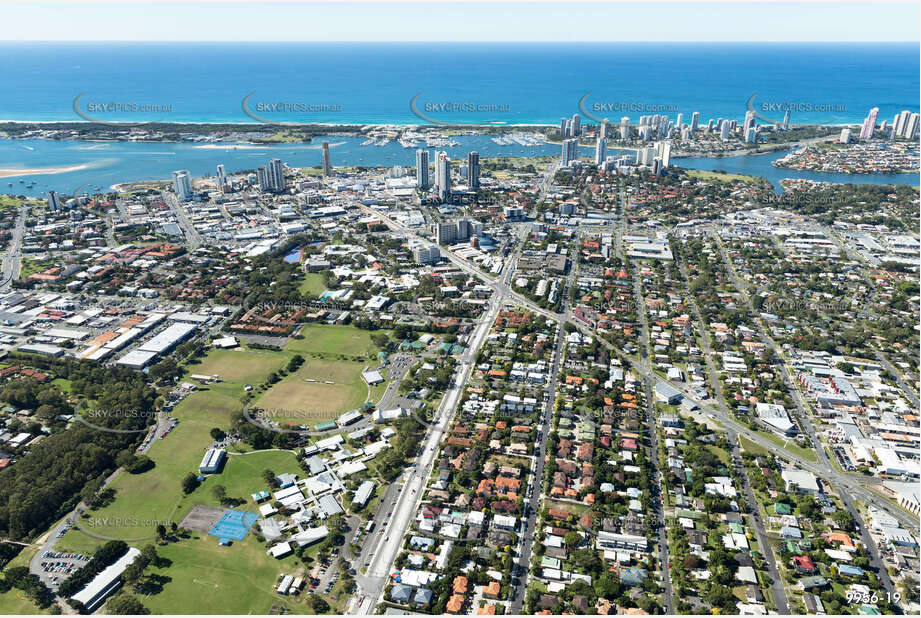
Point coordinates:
pixel 169 338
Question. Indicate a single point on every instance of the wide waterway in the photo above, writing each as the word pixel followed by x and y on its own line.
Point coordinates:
pixel 89 165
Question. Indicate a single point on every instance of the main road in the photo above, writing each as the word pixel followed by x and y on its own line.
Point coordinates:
pixel 656 484
pixel 372 583
pixel 13 256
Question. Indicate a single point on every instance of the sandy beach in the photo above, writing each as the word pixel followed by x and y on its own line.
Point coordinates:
pixel 8 173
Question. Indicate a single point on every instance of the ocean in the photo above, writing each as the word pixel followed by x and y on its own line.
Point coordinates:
pixel 375 83
pixel 420 83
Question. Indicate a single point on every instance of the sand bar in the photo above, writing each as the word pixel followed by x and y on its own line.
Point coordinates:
pixel 7 173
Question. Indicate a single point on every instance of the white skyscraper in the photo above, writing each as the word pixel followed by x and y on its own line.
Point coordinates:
pixel 912 127
pixel 221 179
pixel 786 120
pixel 695 121
pixel 426 254
pixel 262 175
pixel 570 152
pixel 601 150
pixel 442 175
pixel 906 124
pixel 645 156
pixel 724 130
pixel 845 136
pixel 54 200
pixel 422 169
pixel 576 125
pixel 603 131
pixel 664 152
pixel 277 175
pixel 749 121
pixel 679 120
pixel 182 185
pixel 899 122
pixel 625 128
pixel 869 125
pixel 473 170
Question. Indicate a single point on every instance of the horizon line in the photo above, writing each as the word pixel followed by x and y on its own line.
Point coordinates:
pixel 510 42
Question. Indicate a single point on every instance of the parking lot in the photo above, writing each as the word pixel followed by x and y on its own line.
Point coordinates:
pixel 322 581
pixel 58 566
pixel 843 459
pixel 160 431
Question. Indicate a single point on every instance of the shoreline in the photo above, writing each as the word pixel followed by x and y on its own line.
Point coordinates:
pixel 889 172
pixel 256 146
pixel 358 126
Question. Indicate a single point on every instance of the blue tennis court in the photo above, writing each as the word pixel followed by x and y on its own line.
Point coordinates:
pixel 233 525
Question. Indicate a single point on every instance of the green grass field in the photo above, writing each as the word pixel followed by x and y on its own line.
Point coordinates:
pixel 720 453
pixel 63 384
pixel 156 495
pixel 206 578
pixel 319 401
pixel 312 284
pixel 326 340
pixel 11 201
pixel 242 476
pixel 239 365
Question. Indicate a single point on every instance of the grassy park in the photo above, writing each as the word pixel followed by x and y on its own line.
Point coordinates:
pixel 750 447
pixel 720 176
pixel 240 365
pixel 203 577
pixel 324 340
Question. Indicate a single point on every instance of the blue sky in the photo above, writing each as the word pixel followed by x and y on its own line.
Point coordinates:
pixel 474 21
